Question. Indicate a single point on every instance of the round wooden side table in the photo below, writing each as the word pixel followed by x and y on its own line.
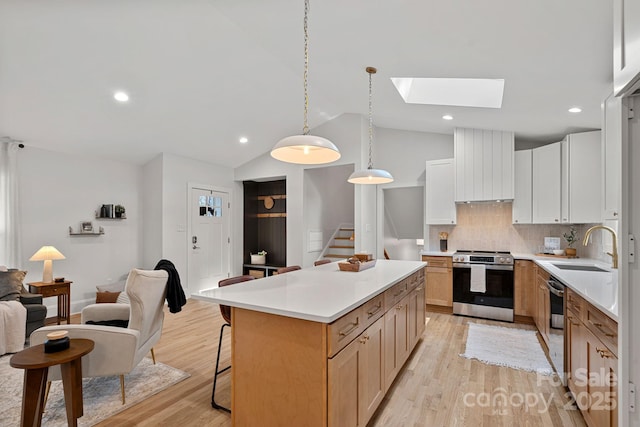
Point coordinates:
pixel 35 363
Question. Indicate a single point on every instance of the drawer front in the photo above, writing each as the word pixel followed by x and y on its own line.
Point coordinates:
pixel 602 327
pixel 50 291
pixel 345 329
pixel 373 310
pixel 437 261
pixel 394 294
pixel 414 280
pixel 575 303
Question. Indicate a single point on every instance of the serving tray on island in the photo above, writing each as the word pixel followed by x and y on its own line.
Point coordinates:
pixel 347 266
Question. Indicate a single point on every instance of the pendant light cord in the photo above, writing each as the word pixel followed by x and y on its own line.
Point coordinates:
pixel 305 128
pixel 370 120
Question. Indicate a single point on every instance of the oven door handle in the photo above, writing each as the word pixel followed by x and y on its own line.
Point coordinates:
pixel 557 292
pixel 487 266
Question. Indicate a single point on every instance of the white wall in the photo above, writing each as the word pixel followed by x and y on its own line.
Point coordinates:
pixel 152 211
pixel 177 173
pixel 59 190
pixel 328 202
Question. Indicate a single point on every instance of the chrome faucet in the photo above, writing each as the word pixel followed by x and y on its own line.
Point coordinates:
pixel 614 254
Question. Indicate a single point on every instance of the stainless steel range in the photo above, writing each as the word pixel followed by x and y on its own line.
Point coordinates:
pixel 483 284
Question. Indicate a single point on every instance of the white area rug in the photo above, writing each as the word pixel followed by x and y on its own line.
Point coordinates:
pixel 511 347
pixel 101 395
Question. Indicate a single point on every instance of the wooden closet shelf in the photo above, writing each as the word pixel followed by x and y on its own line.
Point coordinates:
pixel 274 197
pixel 272 215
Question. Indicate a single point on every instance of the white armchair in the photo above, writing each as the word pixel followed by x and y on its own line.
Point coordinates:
pixel 118 350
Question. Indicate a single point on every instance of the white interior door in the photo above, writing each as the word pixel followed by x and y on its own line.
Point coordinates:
pixel 209 239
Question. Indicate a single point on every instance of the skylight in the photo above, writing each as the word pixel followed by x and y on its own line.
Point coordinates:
pixel 485 93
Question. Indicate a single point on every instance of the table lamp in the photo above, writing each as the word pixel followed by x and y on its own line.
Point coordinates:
pixel 47 254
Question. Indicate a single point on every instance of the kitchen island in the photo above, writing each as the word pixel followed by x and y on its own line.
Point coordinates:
pixel 319 346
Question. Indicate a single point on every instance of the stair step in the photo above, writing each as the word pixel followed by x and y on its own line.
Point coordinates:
pixel 347 229
pixel 342 238
pixel 342 247
pixel 336 256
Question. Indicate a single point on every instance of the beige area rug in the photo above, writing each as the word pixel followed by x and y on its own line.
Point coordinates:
pixel 510 347
pixel 101 395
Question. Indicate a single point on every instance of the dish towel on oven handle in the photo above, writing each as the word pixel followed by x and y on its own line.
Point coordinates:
pixel 478 278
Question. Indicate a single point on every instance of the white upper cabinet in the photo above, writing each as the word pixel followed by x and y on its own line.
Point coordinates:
pixel 582 178
pixel 546 184
pixel 612 156
pixel 483 165
pixel 523 182
pixel 439 191
pixel 626 38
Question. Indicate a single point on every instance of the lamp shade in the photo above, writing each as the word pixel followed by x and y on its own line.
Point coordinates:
pixel 370 176
pixel 46 253
pixel 305 150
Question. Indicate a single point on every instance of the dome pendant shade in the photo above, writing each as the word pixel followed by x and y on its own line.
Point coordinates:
pixel 370 176
pixel 305 150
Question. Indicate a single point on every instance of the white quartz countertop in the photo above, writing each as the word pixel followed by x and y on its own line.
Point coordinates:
pixel 321 294
pixel 598 288
pixel 437 253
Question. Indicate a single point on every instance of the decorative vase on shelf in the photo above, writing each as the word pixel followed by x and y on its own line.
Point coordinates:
pixel 571 252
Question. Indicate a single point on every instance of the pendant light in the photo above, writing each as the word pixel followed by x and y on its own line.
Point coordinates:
pixel 370 175
pixel 305 149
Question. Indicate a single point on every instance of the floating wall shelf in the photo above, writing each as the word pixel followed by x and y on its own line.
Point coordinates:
pixel 86 233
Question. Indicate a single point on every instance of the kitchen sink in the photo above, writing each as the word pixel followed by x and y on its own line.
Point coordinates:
pixel 580 267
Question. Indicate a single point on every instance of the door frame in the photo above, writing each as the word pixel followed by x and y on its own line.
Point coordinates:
pixel 190 208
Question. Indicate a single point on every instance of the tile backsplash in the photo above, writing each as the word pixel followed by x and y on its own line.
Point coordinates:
pixel 488 226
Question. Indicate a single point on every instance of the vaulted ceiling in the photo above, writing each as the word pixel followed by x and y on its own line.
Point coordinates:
pixel 202 73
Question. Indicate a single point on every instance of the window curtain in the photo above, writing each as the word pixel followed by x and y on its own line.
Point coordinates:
pixel 10 250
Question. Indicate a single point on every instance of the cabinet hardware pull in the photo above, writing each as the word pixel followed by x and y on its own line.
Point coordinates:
pixel 603 353
pixel 399 293
pixel 599 326
pixel 351 329
pixel 400 307
pixel 596 324
pixel 372 312
pixel 362 340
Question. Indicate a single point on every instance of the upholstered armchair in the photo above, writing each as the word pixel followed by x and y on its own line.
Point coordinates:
pixel 118 350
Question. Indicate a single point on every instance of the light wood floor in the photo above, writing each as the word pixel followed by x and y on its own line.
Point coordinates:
pixel 430 391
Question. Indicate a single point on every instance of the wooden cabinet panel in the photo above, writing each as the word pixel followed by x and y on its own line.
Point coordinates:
pixel 396 348
pixel 524 288
pixel 576 357
pixel 416 315
pixel 372 310
pixel 591 361
pixel 439 280
pixel 344 330
pixel 543 305
pixel 394 294
pixel 601 386
pixel 356 379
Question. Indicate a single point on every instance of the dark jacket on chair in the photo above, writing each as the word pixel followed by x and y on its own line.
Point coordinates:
pixel 175 294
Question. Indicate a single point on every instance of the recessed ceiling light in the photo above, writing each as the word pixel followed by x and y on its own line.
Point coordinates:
pixel 575 110
pixel 485 93
pixel 447 117
pixel 243 140
pixel 121 96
